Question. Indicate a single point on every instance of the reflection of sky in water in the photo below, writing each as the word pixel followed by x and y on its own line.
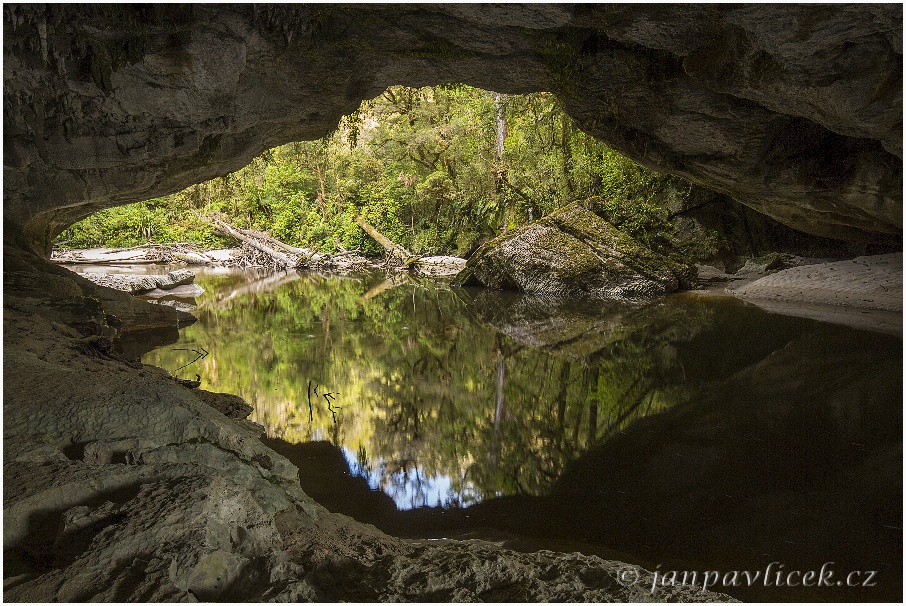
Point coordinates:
pixel 444 397
pixel 429 404
pixel 408 490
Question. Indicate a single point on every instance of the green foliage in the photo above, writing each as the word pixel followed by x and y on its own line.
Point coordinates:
pixel 422 385
pixel 155 221
pixel 422 166
pixel 636 200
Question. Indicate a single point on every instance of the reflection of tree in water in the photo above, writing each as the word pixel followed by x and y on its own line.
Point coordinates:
pixel 499 406
pixel 528 413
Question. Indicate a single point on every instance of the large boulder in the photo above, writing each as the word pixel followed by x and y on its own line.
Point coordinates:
pixel 573 252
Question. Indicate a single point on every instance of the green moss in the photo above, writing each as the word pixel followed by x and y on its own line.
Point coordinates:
pixel 562 59
pixel 577 258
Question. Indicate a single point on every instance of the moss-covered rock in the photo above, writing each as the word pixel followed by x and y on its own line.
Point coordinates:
pixel 574 252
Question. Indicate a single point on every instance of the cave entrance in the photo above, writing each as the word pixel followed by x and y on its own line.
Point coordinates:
pixel 439 170
pixel 439 412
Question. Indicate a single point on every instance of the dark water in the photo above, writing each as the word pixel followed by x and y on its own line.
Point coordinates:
pixel 691 433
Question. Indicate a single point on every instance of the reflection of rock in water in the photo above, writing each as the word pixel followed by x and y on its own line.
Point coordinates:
pixel 325 476
pixel 795 459
pixel 571 328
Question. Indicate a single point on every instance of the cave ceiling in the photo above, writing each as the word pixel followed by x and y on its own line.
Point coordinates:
pixel 793 110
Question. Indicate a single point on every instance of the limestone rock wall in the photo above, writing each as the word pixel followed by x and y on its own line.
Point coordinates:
pixel 794 110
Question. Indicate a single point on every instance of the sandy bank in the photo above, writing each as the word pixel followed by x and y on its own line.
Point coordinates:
pixel 865 292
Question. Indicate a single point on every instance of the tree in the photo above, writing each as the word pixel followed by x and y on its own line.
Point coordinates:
pixel 438 170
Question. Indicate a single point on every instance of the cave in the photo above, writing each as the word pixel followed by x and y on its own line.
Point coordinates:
pixel 792 110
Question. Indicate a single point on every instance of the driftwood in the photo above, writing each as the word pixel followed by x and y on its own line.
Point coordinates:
pixel 283 261
pixel 438 266
pixel 425 266
pixel 260 249
pixel 394 250
pixel 145 254
pixel 282 256
pixel 109 256
pixel 306 253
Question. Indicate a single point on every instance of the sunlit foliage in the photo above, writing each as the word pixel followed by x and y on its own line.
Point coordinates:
pixel 421 165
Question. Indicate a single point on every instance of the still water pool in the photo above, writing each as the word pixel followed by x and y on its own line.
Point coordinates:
pixel 694 430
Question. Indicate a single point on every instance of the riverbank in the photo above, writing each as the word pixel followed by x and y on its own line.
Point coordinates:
pixel 865 292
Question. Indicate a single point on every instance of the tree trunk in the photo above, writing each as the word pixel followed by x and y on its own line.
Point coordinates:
pixel 393 249
pixel 566 152
pixel 227 229
pixel 499 170
pixel 499 101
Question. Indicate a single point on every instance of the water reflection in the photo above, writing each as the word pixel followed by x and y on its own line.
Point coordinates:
pixel 694 432
pixel 436 405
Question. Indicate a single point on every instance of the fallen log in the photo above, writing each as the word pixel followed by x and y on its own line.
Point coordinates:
pixel 283 261
pixel 394 250
pixel 435 266
pixel 267 238
pixel 145 254
pixel 107 256
pixel 294 257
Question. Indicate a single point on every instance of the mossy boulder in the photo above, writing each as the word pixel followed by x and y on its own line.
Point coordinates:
pixel 574 252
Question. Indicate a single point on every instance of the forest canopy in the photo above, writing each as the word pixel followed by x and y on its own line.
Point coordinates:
pixel 438 170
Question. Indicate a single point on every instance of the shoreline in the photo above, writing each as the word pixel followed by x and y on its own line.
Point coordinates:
pixel 865 292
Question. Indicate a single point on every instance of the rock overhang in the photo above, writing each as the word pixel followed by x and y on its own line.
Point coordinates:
pixel 794 110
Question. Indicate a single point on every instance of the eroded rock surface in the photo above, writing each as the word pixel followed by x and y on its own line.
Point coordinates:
pixel 874 282
pixel 865 292
pixel 122 485
pixel 573 252
pixel 142 283
pixel 795 110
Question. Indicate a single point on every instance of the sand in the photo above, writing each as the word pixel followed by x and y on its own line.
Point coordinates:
pixel 865 292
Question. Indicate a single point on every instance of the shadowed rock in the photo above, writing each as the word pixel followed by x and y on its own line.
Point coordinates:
pixel 577 329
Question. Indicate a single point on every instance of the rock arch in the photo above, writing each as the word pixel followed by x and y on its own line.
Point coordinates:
pixel 794 110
